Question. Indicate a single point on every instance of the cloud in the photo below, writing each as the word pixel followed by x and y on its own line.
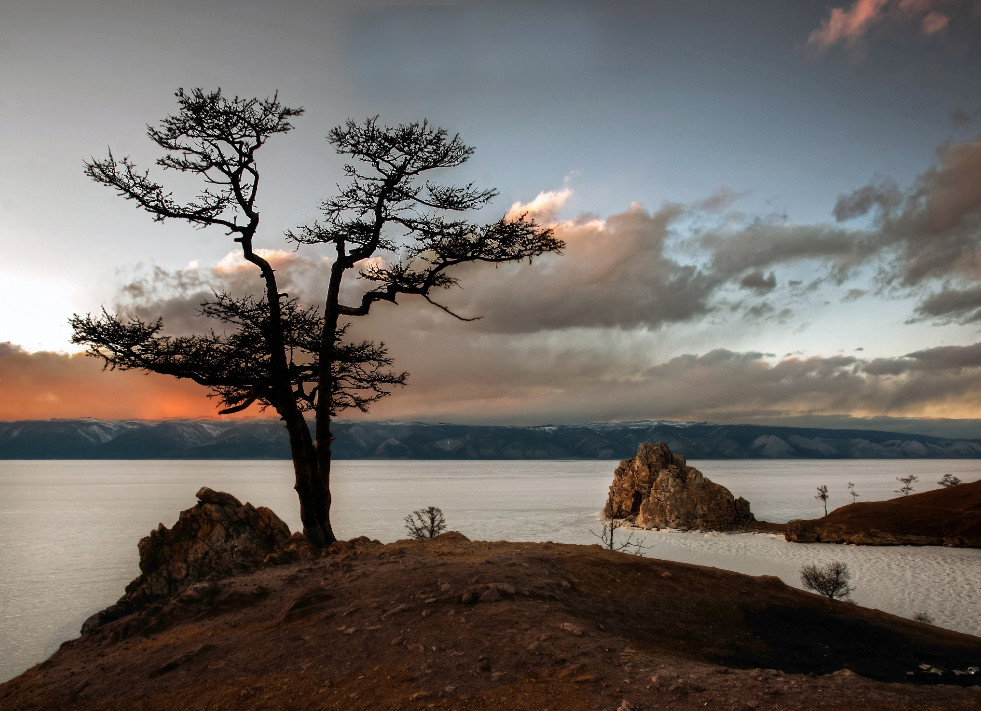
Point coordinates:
pixel 847 25
pixel 579 376
pixel 45 385
pixel 927 233
pixel 719 200
pixel 934 22
pixel 544 209
pixel 961 117
pixel 758 282
pixel 951 305
pixel 613 273
pixel 850 25
pixel 176 295
pixel 760 244
pixel 860 201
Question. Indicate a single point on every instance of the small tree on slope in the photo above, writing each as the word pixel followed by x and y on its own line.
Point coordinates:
pixel 272 350
pixel 830 580
pixel 822 496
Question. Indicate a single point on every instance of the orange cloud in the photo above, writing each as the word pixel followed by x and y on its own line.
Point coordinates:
pixel 48 385
pixel 851 24
pixel 847 25
pixel 934 22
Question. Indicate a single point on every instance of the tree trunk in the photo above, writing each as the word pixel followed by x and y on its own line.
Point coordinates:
pixel 311 485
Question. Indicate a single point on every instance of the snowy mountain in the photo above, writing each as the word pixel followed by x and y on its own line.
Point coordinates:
pixel 266 439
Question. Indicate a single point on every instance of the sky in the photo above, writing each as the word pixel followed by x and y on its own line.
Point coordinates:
pixel 772 211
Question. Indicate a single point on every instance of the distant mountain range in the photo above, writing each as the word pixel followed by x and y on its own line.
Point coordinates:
pixel 266 439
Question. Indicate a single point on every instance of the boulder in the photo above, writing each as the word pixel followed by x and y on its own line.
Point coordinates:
pixel 217 537
pixel 657 489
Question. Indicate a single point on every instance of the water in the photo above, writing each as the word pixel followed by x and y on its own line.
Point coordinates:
pixel 68 529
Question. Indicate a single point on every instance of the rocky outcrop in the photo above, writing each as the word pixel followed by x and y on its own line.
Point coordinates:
pixel 217 537
pixel 941 517
pixel 657 489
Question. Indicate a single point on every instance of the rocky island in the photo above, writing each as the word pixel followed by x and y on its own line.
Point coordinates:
pixel 657 489
pixel 230 612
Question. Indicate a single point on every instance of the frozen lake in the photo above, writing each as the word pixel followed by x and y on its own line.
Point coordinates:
pixel 68 529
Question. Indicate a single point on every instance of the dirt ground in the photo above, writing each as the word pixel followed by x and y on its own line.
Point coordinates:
pixel 455 624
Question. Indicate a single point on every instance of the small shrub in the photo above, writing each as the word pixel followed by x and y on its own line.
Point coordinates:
pixel 923 617
pixel 426 523
pixel 949 480
pixel 851 490
pixel 831 580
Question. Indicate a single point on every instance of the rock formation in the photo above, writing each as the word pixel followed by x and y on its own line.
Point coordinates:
pixel 217 537
pixel 657 489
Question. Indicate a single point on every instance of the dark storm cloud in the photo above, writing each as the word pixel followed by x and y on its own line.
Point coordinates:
pixel 763 244
pixel 957 305
pixel 929 232
pixel 759 282
pixel 613 273
pixel 950 360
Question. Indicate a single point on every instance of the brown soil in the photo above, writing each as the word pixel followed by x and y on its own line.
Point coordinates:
pixel 453 624
pixel 949 516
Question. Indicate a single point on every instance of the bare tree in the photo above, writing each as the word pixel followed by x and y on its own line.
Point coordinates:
pixel 271 350
pixel 949 480
pixel 851 490
pixel 626 545
pixel 426 523
pixel 822 495
pixel 830 580
pixel 907 484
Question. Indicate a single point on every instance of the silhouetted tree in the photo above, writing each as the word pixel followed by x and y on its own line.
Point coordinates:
pixel 851 490
pixel 907 484
pixel 626 545
pixel 822 495
pixel 949 480
pixel 272 350
pixel 426 523
pixel 830 580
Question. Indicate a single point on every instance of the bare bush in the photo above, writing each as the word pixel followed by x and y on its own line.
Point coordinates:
pixel 851 490
pixel 627 545
pixel 923 617
pixel 831 580
pixel 426 523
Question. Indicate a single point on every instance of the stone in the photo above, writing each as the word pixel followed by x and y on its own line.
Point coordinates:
pixel 217 537
pixel 657 489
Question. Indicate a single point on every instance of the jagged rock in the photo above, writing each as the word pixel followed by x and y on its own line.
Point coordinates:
pixel 217 537
pixel 657 489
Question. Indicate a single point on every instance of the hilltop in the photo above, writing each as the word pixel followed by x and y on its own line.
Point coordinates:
pixel 950 516
pixel 456 624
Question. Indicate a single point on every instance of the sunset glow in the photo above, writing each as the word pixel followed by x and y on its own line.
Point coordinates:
pixel 771 211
